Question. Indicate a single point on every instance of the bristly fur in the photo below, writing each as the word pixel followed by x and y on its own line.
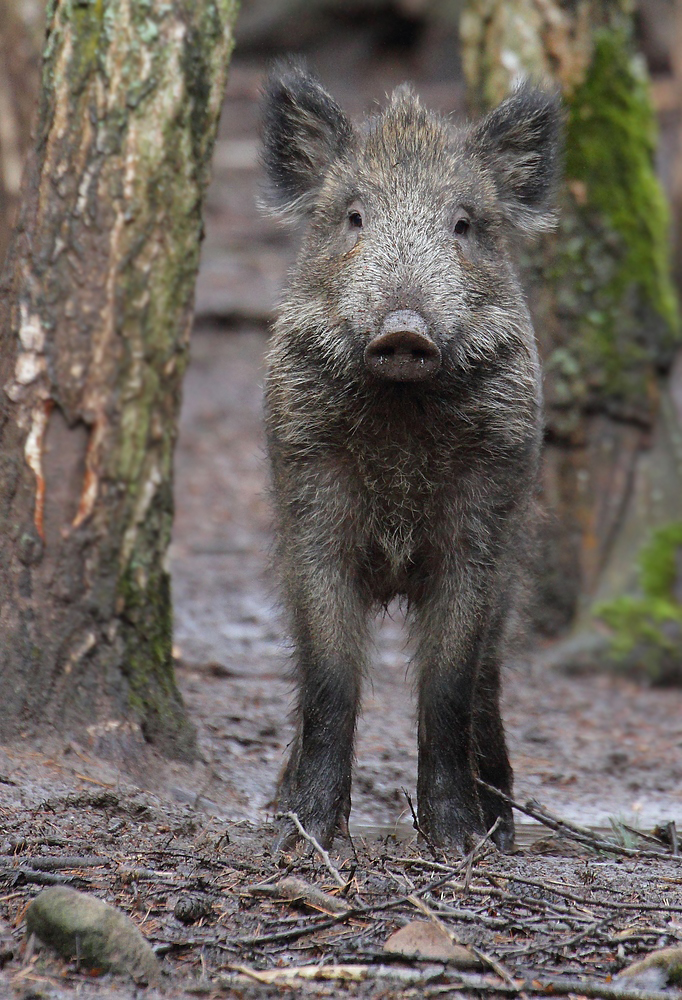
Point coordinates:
pixel 422 489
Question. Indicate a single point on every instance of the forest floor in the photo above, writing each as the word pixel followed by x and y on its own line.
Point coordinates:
pixel 185 850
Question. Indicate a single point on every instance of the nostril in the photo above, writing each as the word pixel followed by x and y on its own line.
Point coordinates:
pixel 403 355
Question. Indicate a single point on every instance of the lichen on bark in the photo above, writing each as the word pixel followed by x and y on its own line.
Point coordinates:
pixel 97 310
pixel 611 268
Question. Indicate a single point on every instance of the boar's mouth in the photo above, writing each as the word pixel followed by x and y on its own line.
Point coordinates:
pixel 403 350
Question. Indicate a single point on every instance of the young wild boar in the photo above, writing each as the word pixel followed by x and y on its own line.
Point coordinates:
pixel 403 424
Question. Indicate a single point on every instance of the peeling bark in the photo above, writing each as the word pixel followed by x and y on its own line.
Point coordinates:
pixel 96 315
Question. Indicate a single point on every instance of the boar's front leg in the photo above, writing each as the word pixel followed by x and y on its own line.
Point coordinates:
pixel 489 740
pixel 328 621
pixel 451 623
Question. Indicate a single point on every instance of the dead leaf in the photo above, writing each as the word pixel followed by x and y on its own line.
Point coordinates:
pixel 423 939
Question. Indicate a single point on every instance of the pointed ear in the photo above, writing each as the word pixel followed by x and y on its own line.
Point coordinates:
pixel 520 143
pixel 303 131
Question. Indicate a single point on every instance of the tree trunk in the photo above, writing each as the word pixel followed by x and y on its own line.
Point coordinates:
pixel 95 315
pixel 21 35
pixel 602 297
pixel 676 66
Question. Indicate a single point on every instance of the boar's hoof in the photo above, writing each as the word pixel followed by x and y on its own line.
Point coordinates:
pixel 403 350
pixel 503 838
pixel 450 826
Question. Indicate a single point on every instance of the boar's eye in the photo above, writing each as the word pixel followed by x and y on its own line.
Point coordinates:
pixel 462 227
pixel 354 219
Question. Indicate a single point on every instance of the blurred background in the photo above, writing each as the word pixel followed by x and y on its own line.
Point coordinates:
pixel 594 697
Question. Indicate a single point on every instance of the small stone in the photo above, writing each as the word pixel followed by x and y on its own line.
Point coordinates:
pixel 660 968
pixel 188 909
pixel 80 926
pixel 425 940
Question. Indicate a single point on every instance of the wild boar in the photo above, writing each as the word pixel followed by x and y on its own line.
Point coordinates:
pixel 403 421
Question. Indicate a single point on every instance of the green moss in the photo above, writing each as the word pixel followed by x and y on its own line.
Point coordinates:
pixel 658 563
pixel 87 20
pixel 147 622
pixel 647 630
pixel 612 268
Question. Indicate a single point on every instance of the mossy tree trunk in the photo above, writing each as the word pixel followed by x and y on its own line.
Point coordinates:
pixel 601 293
pixel 95 320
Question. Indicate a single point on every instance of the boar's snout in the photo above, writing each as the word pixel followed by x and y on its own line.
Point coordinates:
pixel 403 351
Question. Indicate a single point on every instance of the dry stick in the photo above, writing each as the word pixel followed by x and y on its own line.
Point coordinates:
pixel 583 900
pixel 491 831
pixel 641 834
pixel 331 867
pixel 672 830
pixel 528 902
pixel 555 987
pixel 357 911
pixel 572 830
pixel 482 956
pixel 558 947
pixel 415 823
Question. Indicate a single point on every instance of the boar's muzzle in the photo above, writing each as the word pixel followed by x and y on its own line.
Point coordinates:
pixel 403 351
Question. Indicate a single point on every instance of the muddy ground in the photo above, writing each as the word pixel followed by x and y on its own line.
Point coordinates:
pixel 144 834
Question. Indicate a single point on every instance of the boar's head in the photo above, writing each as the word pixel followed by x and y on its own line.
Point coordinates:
pixel 405 272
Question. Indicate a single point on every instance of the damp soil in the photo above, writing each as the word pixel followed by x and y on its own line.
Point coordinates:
pixel 145 834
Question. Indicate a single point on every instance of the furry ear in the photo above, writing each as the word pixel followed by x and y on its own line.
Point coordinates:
pixel 520 143
pixel 303 130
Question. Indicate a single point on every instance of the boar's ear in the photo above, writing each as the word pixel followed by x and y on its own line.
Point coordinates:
pixel 303 131
pixel 520 142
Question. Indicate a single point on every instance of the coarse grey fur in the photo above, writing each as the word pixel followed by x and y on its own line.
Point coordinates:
pixel 391 480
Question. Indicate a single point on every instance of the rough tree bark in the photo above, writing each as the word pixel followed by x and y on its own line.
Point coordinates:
pixel 605 310
pixel 95 318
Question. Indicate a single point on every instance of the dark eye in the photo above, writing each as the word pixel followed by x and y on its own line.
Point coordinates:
pixel 462 227
pixel 355 220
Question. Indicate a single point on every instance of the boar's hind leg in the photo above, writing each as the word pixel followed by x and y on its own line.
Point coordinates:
pixel 449 644
pixel 489 740
pixel 329 628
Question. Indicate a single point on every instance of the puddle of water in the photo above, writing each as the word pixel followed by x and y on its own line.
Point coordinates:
pixel 526 833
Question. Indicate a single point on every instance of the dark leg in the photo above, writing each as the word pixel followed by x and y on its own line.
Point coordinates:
pixel 448 627
pixel 489 740
pixel 329 628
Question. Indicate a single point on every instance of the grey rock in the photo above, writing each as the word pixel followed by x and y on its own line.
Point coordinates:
pixel 80 926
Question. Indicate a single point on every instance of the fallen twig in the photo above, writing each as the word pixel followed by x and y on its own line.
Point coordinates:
pixel 355 911
pixel 415 823
pixel 572 830
pixel 477 848
pixel 298 890
pixel 551 986
pixel 17 876
pixel 331 867
pixel 559 890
